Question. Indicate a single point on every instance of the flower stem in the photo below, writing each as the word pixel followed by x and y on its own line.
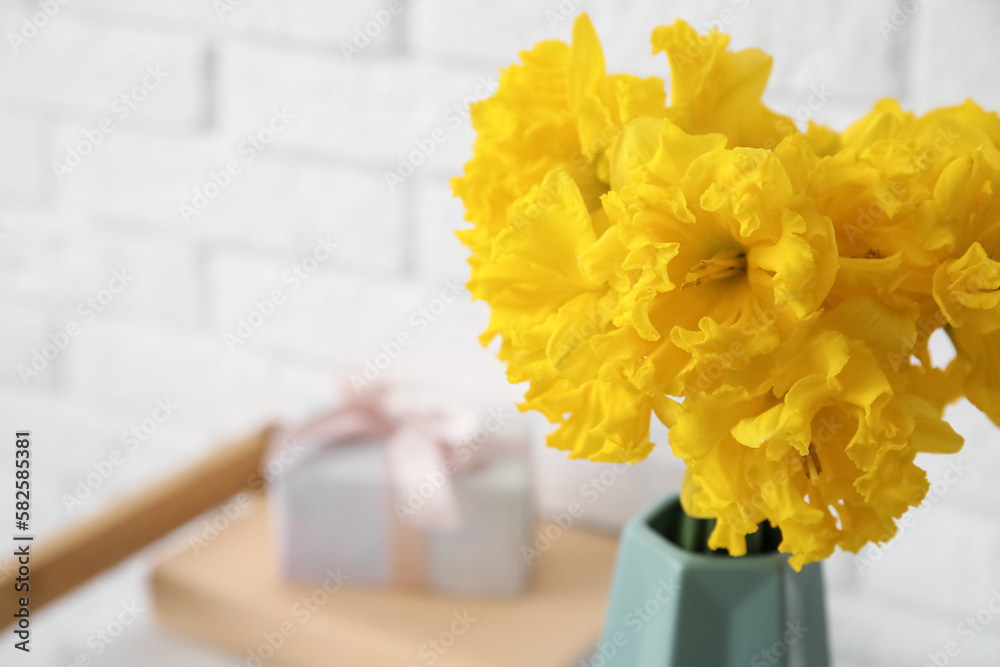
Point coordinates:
pixel 692 533
pixel 755 541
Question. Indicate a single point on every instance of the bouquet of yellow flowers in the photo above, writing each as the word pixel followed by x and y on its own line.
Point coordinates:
pixel 767 292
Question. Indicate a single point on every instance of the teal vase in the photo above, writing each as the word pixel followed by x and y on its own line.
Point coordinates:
pixel 673 608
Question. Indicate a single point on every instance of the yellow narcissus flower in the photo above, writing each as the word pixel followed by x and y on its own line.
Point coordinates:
pixel 887 188
pixel 876 190
pixel 556 110
pixel 548 310
pixel 768 294
pixel 718 256
pixel 824 450
pixel 967 290
pixel 917 217
pixel 977 366
pixel 716 90
pixel 966 287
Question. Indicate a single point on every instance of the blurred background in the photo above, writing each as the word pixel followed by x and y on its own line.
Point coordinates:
pixel 194 192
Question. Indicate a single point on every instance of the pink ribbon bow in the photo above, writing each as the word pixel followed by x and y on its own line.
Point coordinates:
pixel 424 447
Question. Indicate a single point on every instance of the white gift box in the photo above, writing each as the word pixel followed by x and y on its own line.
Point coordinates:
pixel 342 507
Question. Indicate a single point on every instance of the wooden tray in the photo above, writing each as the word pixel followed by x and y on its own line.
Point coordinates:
pixel 230 595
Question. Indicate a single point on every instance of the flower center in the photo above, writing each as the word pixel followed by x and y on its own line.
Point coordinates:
pixel 812 458
pixel 725 264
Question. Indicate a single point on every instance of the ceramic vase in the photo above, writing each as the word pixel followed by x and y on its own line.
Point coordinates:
pixel 673 608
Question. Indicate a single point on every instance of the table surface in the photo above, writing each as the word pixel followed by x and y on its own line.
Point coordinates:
pixel 230 594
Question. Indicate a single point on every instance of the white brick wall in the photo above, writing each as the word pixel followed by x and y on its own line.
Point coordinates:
pixel 77 67
pixel 353 114
pixel 952 63
pixel 20 172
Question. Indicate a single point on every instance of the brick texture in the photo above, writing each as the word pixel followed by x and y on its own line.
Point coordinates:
pixel 207 149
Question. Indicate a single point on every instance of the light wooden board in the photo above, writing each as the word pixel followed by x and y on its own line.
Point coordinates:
pixel 231 595
pixel 65 561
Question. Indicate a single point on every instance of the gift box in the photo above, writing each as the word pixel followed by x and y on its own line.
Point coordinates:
pixel 395 497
